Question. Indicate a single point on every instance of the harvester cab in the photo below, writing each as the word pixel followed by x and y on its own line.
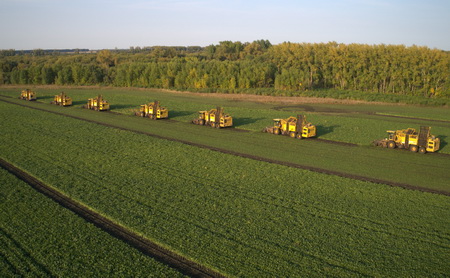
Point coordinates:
pixel 219 119
pixel 62 100
pixel 214 117
pixel 421 141
pixel 294 127
pixel 28 95
pixel 153 110
pixel 306 129
pixel 97 103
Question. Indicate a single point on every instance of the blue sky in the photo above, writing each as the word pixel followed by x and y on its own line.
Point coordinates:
pixel 100 24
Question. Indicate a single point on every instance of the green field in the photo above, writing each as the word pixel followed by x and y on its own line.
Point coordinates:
pixel 353 123
pixel 39 238
pixel 389 166
pixel 240 216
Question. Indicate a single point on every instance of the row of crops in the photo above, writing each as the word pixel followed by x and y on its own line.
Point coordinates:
pixel 38 238
pixel 366 162
pixel 358 123
pixel 240 216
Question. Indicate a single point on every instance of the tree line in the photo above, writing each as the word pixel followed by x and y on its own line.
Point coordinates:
pixel 282 69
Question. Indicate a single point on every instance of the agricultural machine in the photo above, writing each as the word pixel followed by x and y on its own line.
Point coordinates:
pixel 153 110
pixel 421 141
pixel 214 117
pixel 28 95
pixel 62 99
pixel 97 103
pixel 294 127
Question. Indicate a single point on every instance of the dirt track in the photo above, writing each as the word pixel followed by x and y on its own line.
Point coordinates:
pixel 146 246
pixel 254 157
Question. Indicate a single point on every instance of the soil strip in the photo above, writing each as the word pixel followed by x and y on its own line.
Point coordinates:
pixel 254 157
pixel 182 264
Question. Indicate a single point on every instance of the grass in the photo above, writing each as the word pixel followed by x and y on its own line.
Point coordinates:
pixel 38 238
pixel 244 217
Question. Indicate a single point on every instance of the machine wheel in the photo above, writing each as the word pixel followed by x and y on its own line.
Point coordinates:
pixel 201 122
pixel 292 134
pixel 213 124
pixel 422 150
pixel 413 148
pixel 276 131
pixel 299 136
pixel 391 145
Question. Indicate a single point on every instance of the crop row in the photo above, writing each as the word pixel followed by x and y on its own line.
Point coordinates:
pixel 358 124
pixel 241 216
pixel 366 162
pixel 38 238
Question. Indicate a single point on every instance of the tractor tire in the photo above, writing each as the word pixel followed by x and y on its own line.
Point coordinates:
pixel 292 134
pixel 213 124
pixel 422 150
pixel 299 136
pixel 391 145
pixel 201 122
pixel 276 131
pixel 413 148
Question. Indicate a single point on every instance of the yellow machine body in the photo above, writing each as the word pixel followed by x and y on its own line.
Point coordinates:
pixel 421 141
pixel 97 103
pixel 153 110
pixel 215 118
pixel 28 95
pixel 295 127
pixel 62 100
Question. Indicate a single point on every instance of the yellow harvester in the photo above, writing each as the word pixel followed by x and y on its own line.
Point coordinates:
pixel 421 141
pixel 28 95
pixel 294 127
pixel 62 99
pixel 97 103
pixel 153 110
pixel 214 117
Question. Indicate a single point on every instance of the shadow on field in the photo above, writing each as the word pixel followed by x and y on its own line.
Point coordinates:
pixel 44 97
pixel 245 121
pixel 80 102
pixel 121 106
pixel 443 141
pixel 322 130
pixel 179 113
